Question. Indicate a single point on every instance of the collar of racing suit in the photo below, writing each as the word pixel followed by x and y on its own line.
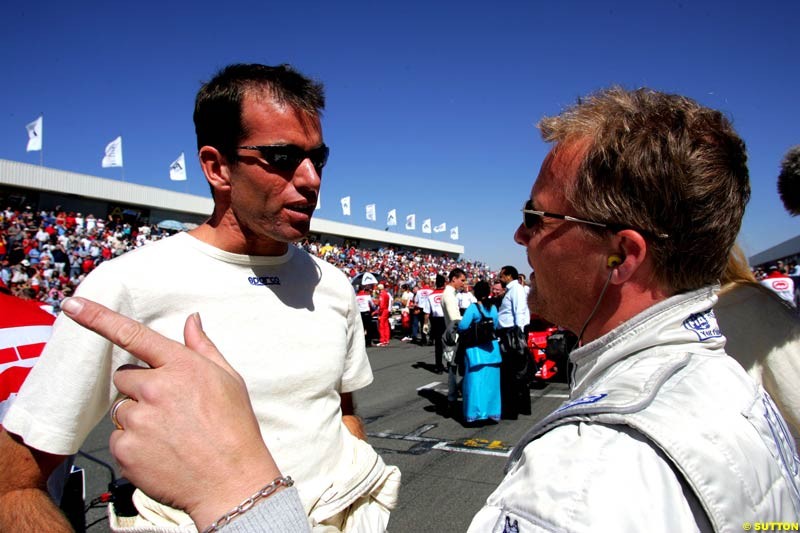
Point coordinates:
pixel 671 325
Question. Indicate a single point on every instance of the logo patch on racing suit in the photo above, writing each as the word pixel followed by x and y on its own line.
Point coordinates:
pixel 264 280
pixel 780 285
pixel 594 398
pixel 704 325
pixel 511 527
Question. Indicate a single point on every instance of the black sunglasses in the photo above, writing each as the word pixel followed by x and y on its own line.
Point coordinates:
pixel 531 218
pixel 287 157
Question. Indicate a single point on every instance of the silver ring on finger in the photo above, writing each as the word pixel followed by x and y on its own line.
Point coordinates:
pixel 115 409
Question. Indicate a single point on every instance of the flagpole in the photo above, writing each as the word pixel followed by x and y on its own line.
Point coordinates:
pixel 41 152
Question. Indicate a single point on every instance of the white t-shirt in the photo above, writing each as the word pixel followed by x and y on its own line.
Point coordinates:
pixel 421 298
pixel 406 297
pixel 364 302
pixel 433 303
pixel 465 299
pixel 289 325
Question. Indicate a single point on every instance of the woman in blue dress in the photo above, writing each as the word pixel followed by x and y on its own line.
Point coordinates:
pixel 481 386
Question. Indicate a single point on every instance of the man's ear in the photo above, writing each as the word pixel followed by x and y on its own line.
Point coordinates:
pixel 632 249
pixel 216 168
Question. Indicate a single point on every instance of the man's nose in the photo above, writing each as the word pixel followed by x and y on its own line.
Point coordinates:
pixel 522 236
pixel 306 175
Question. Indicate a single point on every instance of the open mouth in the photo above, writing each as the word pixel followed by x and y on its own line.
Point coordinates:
pixel 304 208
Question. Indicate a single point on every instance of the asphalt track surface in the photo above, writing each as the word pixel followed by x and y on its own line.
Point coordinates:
pixel 449 468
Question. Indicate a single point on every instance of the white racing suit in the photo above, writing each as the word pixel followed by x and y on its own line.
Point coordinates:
pixel 663 432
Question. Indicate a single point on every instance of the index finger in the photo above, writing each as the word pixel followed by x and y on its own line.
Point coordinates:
pixel 130 335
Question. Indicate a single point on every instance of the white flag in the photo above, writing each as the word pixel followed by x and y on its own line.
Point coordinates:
pixel 391 218
pixel 371 212
pixel 345 206
pixel 177 170
pixel 454 233
pixel 426 225
pixel 34 135
pixel 440 228
pixel 411 221
pixel 113 157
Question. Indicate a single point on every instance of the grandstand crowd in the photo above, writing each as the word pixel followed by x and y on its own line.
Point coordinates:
pixel 45 255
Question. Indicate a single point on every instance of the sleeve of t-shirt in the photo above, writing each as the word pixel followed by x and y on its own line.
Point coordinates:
pixel 426 306
pixel 521 310
pixel 70 388
pixel 357 371
pixel 450 304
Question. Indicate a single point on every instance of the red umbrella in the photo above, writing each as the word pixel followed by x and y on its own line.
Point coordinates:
pixel 24 330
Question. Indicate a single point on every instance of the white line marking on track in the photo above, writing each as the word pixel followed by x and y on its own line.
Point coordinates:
pixel 430 385
pixel 445 446
pixel 422 429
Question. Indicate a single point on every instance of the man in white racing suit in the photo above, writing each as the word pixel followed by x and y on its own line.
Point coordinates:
pixel 627 229
pixel 656 436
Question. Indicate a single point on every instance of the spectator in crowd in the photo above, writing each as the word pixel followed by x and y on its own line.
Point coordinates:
pixel 512 318
pixel 465 298
pixel 366 306
pixel 422 308
pixel 498 291
pixel 451 317
pixel 384 305
pixel 481 384
pixel 407 303
pixel 523 281
pixel 434 310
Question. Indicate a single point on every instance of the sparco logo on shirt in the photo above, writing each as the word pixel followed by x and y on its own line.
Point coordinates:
pixel 264 280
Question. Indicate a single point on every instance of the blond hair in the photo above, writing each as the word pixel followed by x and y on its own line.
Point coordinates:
pixel 663 164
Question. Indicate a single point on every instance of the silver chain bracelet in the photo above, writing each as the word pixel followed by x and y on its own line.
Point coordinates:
pixel 248 504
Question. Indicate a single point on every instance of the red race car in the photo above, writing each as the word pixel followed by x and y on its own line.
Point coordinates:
pixel 550 346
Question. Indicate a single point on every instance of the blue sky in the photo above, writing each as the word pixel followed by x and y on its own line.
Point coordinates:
pixel 432 106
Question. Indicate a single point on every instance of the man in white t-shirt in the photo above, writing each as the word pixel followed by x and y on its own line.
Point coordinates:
pixel 421 316
pixel 465 299
pixel 256 294
pixel 366 305
pixel 432 307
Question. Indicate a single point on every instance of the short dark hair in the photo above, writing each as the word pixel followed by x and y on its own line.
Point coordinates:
pixel 482 290
pixel 456 273
pixel 509 270
pixel 218 106
pixel 439 281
